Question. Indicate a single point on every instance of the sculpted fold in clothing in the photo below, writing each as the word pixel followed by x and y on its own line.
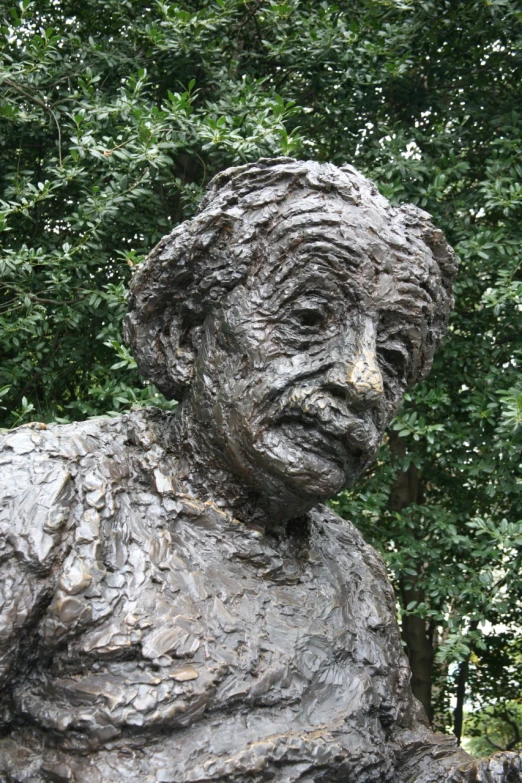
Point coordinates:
pixel 177 605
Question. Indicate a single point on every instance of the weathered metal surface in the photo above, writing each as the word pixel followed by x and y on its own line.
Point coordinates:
pixel 176 604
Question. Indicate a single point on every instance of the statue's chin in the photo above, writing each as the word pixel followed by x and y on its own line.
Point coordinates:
pixel 309 463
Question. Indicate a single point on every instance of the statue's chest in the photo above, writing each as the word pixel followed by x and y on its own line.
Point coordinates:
pixel 158 629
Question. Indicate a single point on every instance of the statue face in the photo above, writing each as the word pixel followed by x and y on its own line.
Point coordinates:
pixel 296 379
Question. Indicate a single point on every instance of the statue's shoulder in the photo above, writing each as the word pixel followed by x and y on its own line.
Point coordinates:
pixel 347 542
pixel 46 471
pixel 37 465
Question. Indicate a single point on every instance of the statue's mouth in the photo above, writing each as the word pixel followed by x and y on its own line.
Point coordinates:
pixel 308 432
pixel 326 422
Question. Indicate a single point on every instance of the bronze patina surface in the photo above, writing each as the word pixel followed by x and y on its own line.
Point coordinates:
pixel 176 603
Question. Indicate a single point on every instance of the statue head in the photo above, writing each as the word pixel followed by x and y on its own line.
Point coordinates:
pixel 290 316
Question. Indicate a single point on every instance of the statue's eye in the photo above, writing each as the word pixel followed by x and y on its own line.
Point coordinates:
pixel 395 359
pixel 309 318
pixel 308 314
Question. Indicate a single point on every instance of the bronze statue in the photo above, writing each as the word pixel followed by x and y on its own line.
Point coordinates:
pixel 176 605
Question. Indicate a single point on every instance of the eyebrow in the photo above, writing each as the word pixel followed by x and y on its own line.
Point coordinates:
pixel 306 285
pixel 301 210
pixel 340 256
pixel 405 332
pixel 303 221
pixel 330 280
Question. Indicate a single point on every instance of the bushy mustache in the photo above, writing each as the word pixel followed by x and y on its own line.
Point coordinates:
pixel 315 405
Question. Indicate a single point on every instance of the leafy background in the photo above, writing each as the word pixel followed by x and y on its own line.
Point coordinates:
pixel 114 115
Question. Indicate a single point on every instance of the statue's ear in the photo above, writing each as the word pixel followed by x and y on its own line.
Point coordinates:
pixel 171 292
pixel 165 351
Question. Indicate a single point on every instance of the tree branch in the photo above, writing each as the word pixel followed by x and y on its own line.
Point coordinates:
pixel 43 300
pixel 490 741
pixel 516 731
pixel 39 102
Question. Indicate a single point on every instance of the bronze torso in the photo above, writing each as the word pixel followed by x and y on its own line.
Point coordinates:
pixel 155 619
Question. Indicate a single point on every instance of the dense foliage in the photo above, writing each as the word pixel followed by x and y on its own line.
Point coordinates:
pixel 115 114
pixel 113 118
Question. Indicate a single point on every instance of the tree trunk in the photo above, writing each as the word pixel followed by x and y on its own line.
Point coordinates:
pixel 462 679
pixel 416 632
pixel 418 638
pixel 458 712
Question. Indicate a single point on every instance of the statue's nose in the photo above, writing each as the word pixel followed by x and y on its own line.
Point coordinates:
pixel 358 377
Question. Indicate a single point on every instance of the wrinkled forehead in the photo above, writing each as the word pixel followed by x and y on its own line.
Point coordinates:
pixel 323 231
pixel 361 235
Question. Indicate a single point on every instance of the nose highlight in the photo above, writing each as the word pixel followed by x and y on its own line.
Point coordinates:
pixel 365 376
pixel 360 380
